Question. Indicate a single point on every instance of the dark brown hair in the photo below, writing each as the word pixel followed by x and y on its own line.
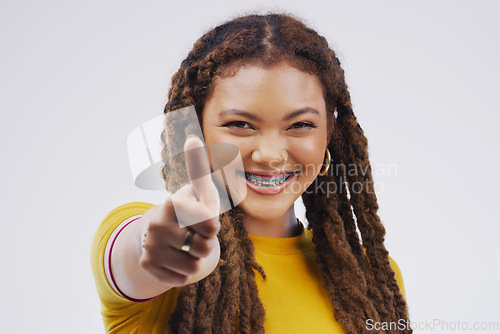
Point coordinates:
pixel 357 272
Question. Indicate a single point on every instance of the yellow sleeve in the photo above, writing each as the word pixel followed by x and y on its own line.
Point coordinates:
pixel 118 313
pixel 399 276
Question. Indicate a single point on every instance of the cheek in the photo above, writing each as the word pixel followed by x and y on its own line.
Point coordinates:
pixel 309 153
pixel 311 163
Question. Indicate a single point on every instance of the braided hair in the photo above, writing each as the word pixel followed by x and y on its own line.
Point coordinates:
pixel 356 268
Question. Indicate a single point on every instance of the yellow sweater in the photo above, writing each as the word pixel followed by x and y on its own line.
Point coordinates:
pixel 293 294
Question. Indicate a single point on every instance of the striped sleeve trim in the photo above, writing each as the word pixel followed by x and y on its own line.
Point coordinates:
pixel 107 259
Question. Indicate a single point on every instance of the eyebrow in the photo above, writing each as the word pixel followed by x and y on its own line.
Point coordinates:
pixel 230 112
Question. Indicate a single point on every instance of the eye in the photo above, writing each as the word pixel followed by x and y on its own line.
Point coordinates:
pixel 238 124
pixel 302 125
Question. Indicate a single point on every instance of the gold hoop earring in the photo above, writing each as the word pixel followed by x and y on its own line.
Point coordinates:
pixel 283 158
pixel 327 163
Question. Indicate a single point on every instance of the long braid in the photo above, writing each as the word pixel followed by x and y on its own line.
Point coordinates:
pixel 357 272
pixel 365 207
pixel 182 320
pixel 208 291
pixel 249 285
pixel 226 308
pixel 345 212
pixel 350 301
pixel 227 304
pixel 364 201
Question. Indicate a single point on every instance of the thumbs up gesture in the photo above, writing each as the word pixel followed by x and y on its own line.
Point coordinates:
pixel 180 245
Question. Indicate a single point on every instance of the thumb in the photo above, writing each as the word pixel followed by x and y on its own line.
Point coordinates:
pixel 198 170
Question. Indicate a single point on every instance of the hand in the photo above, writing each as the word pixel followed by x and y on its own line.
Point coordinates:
pixel 195 205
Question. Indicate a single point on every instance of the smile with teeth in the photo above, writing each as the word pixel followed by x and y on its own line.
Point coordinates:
pixel 267 181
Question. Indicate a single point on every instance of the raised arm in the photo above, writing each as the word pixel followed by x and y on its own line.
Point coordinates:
pixel 147 257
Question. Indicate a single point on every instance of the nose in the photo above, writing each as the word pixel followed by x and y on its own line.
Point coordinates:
pixel 270 151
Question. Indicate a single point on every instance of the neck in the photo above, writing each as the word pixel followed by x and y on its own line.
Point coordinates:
pixel 285 226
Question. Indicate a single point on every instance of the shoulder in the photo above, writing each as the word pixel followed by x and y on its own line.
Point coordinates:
pixel 394 266
pixel 116 217
pixel 128 209
pixel 399 275
pixel 118 312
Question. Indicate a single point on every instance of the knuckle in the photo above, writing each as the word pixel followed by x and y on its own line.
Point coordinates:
pixel 191 267
pixel 168 206
pixel 204 248
pixel 157 227
pixel 164 278
pixel 182 280
pixel 146 263
pixel 195 266
pixel 212 228
pixel 159 277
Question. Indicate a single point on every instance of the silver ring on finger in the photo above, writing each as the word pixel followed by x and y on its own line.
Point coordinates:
pixel 186 246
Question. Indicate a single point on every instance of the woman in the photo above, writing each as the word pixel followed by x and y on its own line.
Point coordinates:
pixel 271 86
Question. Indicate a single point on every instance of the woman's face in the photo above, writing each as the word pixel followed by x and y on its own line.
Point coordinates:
pixel 271 114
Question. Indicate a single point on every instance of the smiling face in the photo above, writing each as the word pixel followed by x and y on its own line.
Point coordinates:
pixel 277 118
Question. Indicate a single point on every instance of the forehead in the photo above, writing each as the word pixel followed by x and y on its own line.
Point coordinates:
pixel 277 88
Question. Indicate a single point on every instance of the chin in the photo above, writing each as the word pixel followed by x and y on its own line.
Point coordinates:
pixel 265 210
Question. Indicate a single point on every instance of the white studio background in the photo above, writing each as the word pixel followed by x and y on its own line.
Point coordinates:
pixel 78 76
